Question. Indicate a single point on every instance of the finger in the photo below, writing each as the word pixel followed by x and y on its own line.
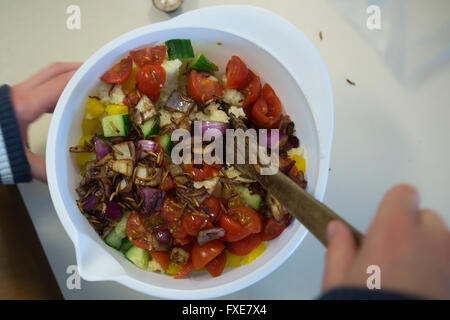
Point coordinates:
pixel 41 99
pixel 399 207
pixel 46 74
pixel 37 166
pixel 341 251
pixel 431 222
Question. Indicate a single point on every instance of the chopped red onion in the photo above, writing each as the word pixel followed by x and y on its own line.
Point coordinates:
pixel 153 199
pixel 287 126
pixel 148 145
pixel 215 125
pixel 178 103
pixel 91 201
pixel 205 236
pixel 102 149
pixel 113 210
pixel 292 142
pixel 270 141
pixel 163 236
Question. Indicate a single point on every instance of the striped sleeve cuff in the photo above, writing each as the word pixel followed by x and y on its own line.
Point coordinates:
pixel 14 167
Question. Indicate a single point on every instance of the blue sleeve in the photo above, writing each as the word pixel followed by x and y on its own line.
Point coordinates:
pixel 14 167
pixel 345 293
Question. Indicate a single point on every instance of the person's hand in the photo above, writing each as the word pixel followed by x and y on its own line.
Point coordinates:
pixel 411 246
pixel 38 95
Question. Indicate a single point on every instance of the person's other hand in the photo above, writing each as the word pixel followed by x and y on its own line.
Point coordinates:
pixel 38 95
pixel 411 246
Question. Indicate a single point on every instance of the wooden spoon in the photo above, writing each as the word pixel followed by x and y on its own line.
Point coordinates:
pixel 313 214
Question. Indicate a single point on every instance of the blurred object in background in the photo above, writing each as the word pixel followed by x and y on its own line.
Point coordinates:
pixel 414 39
pixel 167 5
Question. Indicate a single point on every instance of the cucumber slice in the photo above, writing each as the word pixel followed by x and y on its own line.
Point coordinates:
pixel 138 256
pixel 113 240
pixel 120 228
pixel 166 143
pixel 150 127
pixel 116 237
pixel 126 244
pixel 201 63
pixel 116 125
pixel 179 49
pixel 253 200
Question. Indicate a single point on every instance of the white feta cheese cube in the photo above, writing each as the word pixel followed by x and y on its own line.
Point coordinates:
pixel 172 68
pixel 233 97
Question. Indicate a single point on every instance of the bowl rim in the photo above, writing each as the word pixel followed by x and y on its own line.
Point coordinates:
pixel 62 211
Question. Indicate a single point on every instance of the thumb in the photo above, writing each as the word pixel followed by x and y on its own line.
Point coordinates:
pixel 340 254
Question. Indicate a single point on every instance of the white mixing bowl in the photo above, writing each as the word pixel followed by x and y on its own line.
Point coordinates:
pixel 295 71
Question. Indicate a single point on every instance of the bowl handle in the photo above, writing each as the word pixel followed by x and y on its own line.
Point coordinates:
pixel 94 262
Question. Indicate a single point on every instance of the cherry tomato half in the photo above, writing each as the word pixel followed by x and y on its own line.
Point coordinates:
pixel 271 98
pixel 150 80
pixel 177 231
pixel 204 254
pixel 167 184
pixel 240 222
pixel 237 73
pixel 136 230
pixel 233 230
pixel 247 217
pixel 171 210
pixel 162 257
pixel 193 223
pixel 118 72
pixel 252 91
pixel 202 88
pixel 267 109
pixel 212 208
pixel 153 56
pixel 246 245
pixel 132 98
pixel 272 229
pixel 215 267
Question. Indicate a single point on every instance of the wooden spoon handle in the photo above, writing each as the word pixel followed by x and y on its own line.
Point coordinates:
pixel 313 214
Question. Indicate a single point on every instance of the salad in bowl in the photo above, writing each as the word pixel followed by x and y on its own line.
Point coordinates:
pixel 176 218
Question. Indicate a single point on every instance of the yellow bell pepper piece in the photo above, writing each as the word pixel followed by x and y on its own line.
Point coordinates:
pixel 259 250
pixel 130 82
pixel 300 163
pixel 85 138
pixel 173 268
pixel 89 126
pixel 233 260
pixel 116 109
pixel 83 157
pixel 94 108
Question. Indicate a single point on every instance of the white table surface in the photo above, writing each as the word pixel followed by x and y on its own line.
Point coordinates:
pixel 385 132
